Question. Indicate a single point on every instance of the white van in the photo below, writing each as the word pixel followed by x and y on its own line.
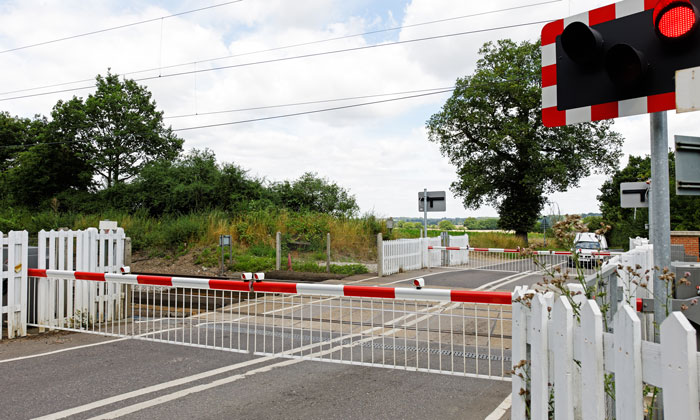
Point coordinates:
pixel 587 245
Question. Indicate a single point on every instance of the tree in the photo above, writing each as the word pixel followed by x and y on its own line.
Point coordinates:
pixel 312 193
pixel 685 210
pixel 120 128
pixel 41 167
pixel 446 225
pixel 491 130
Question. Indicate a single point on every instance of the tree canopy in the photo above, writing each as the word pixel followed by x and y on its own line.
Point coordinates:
pixel 685 210
pixel 491 130
pixel 119 128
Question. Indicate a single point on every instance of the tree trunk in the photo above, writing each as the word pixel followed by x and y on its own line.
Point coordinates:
pixel 521 235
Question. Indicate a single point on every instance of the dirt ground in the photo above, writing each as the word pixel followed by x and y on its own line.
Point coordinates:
pixel 185 266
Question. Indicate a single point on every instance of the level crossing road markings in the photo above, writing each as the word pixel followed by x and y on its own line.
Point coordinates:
pixel 204 375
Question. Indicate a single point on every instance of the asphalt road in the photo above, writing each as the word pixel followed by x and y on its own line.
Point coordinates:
pixel 87 376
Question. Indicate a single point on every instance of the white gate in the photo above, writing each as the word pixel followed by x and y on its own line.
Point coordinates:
pixel 64 303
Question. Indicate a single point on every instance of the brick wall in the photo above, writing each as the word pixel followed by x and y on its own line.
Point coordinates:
pixel 689 239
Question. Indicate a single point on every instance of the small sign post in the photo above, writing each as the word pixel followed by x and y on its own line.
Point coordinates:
pixel 430 201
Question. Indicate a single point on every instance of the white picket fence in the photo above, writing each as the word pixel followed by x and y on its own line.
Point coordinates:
pixel 13 282
pixel 574 358
pixel 89 250
pixel 413 254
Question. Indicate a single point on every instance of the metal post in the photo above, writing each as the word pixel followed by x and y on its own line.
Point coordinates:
pixel 278 251
pixel 425 211
pixel 328 253
pixel 661 214
pixel 380 255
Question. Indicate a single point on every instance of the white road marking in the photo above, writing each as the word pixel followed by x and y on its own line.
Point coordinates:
pixel 495 282
pixel 63 350
pixel 31 356
pixel 501 410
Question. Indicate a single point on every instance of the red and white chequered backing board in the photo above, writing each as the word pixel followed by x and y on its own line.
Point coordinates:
pixel 551 116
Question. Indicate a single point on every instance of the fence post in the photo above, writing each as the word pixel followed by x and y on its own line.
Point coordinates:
pixel 278 251
pixel 17 260
pixel 328 252
pixel 519 352
pixel 592 374
pixel 679 368
pixel 628 365
pixel 539 365
pixel 563 343
pixel 380 255
pixel 42 288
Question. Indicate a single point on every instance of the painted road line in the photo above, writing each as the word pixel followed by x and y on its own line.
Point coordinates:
pixel 489 284
pixel 49 353
pixel 501 410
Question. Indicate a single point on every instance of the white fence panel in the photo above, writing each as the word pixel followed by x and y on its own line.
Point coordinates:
pixel 460 257
pixel 671 365
pixel 13 282
pixel 63 303
pixel 402 255
pixel 432 257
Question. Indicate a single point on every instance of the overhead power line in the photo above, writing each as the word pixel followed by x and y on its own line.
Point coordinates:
pixel 295 114
pixel 257 108
pixel 296 57
pixel 273 117
pixel 287 46
pixel 24 47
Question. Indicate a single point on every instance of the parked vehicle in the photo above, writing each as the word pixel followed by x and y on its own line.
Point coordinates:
pixel 588 247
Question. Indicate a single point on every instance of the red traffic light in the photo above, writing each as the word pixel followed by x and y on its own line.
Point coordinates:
pixel 674 19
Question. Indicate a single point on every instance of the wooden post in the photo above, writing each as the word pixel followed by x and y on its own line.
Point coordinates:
pixel 380 255
pixel 278 251
pixel 592 374
pixel 679 366
pixel 539 365
pixel 519 352
pixel 563 343
pixel 328 252
pixel 628 365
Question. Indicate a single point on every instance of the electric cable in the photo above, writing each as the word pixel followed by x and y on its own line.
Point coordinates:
pixel 24 47
pixel 296 57
pixel 286 47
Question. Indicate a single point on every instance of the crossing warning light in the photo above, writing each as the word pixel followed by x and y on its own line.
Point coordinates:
pixel 675 19
pixel 617 60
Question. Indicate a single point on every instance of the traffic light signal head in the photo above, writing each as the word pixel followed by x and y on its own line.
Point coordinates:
pixel 617 60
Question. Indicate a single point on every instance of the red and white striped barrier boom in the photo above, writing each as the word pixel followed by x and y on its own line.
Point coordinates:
pixel 515 250
pixel 443 295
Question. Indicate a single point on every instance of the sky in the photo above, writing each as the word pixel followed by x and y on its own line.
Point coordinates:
pixel 379 152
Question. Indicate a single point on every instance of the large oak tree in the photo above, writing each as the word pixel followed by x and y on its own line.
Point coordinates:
pixel 120 128
pixel 491 130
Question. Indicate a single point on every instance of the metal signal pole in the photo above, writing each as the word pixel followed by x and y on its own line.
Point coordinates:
pixel 660 212
pixel 425 212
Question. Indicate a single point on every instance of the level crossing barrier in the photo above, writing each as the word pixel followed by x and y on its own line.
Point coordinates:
pixel 454 332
